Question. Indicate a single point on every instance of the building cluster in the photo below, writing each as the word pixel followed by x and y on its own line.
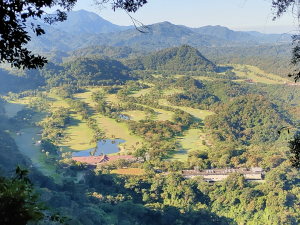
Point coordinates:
pixel 93 161
pixel 213 175
pixel 250 81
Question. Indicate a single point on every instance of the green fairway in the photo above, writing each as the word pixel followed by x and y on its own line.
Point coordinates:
pixel 26 143
pixel 120 130
pixel 87 96
pixel 110 126
pixel 192 140
pixel 12 107
pixel 136 115
pixel 198 114
pixel 140 92
pixel 172 91
pixel 267 78
pixel 78 130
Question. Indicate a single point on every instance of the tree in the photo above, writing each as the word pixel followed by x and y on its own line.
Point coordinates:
pixel 18 202
pixel 17 17
pixel 280 7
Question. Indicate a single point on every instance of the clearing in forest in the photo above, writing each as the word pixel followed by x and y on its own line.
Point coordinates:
pixel 135 115
pixel 119 130
pixel 78 130
pixel 140 92
pixel 129 171
pixel 258 75
pixel 193 139
pixel 172 91
pixel 13 107
pixel 107 125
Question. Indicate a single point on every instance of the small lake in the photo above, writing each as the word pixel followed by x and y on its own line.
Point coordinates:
pixel 125 117
pixel 106 146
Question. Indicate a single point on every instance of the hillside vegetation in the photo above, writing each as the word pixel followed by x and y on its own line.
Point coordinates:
pixel 183 58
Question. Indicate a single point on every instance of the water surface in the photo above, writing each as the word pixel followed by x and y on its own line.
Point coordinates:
pixel 106 146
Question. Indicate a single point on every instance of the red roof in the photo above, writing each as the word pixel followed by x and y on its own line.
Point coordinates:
pixel 101 159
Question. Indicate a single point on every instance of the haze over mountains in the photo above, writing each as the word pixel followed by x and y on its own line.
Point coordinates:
pixel 84 28
pixel 87 22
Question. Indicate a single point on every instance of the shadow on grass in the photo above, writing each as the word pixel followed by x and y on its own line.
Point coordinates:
pixel 222 69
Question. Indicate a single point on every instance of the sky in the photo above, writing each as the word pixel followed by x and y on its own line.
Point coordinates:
pixel 243 15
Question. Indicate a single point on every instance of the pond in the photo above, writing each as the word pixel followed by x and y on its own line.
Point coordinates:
pixel 125 117
pixel 106 146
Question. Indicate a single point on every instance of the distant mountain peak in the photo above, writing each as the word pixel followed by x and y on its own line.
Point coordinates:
pixel 82 21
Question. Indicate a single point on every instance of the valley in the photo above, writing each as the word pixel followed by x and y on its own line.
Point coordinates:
pixel 177 125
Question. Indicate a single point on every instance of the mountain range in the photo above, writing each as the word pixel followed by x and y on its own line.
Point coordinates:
pixel 82 21
pixel 83 29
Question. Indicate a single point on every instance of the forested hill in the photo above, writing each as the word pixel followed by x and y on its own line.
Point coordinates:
pixel 242 36
pixel 94 69
pixel 122 52
pixel 157 37
pixel 225 33
pixel 88 22
pixel 183 58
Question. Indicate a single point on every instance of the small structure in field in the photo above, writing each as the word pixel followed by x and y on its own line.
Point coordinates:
pixel 212 175
pixel 250 81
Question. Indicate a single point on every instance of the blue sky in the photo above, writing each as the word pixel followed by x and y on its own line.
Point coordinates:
pixel 234 14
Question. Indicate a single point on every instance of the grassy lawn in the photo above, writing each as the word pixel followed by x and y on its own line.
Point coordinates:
pixel 78 130
pixel 129 171
pixel 140 92
pixel 252 75
pixel 160 114
pixel 135 114
pixel 26 146
pixel 192 140
pixel 12 107
pixel 111 98
pixel 110 126
pixel 197 113
pixel 172 91
pixel 120 130
pixel 86 96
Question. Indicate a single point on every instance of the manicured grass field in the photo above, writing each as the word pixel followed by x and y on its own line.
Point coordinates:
pixel 135 114
pixel 129 171
pixel 252 75
pixel 26 141
pixel 197 113
pixel 160 114
pixel 141 92
pixel 78 130
pixel 192 140
pixel 111 98
pixel 12 107
pixel 86 96
pixel 171 91
pixel 110 126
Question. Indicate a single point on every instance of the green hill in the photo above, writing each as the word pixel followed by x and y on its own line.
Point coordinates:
pixel 94 69
pixel 183 58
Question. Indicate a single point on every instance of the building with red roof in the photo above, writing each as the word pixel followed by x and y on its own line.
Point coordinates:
pixel 93 161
